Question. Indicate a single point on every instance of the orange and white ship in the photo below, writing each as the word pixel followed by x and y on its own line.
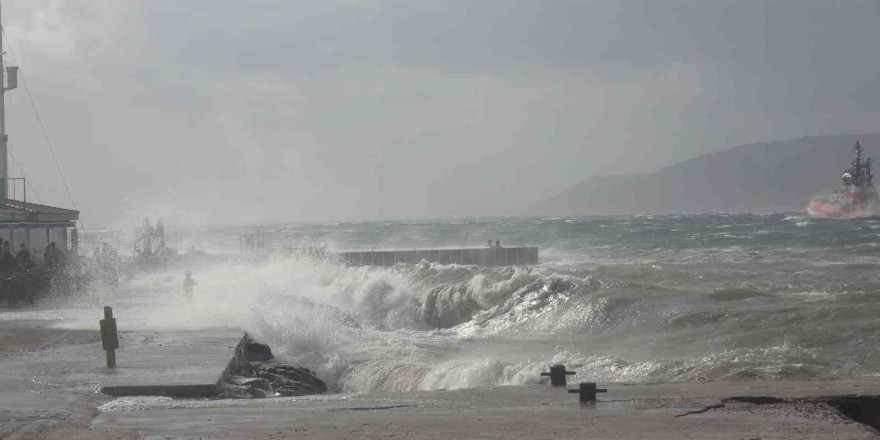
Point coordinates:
pixel 856 198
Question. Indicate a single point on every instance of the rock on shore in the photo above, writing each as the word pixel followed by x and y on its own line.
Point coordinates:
pixel 253 373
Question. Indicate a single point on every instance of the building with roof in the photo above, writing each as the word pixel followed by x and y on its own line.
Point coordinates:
pixel 22 221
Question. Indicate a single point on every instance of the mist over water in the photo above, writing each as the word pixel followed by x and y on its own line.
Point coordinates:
pixel 637 298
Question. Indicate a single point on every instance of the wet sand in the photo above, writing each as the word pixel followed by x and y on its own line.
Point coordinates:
pixel 49 380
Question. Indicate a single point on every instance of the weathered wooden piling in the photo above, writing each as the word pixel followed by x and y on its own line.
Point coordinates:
pixel 109 336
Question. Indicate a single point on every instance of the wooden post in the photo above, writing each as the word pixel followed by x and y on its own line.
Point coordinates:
pixel 109 336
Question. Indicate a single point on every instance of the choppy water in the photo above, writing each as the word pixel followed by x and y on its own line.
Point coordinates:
pixel 638 298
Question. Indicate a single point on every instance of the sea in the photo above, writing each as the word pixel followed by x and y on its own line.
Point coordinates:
pixel 642 298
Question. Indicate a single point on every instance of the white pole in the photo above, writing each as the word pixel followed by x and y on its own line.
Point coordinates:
pixel 4 170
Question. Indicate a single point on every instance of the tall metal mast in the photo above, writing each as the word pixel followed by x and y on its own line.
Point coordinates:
pixel 11 81
pixel 858 149
pixel 4 139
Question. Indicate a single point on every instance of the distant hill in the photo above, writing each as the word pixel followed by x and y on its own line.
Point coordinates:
pixel 772 176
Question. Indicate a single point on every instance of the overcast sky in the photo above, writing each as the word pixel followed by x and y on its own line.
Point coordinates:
pixel 221 111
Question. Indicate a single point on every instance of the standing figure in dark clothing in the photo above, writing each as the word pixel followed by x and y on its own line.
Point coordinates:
pixel 6 258
pixel 53 256
pixel 48 256
pixel 23 259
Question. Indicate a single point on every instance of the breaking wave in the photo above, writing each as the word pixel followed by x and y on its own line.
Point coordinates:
pixel 644 299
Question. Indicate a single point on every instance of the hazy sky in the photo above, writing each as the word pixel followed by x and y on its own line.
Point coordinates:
pixel 232 111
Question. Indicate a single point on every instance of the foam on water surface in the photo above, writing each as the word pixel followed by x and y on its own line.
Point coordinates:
pixel 649 298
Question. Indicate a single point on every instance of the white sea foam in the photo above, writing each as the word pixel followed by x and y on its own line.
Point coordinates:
pixel 617 299
pixel 139 403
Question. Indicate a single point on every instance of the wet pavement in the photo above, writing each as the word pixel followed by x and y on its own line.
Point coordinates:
pixel 50 373
pixel 660 411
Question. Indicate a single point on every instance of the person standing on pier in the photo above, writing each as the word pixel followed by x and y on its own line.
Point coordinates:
pixel 189 284
pixel 53 257
pixel 6 258
pixel 23 259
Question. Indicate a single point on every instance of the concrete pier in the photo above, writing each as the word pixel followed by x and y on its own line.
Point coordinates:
pixel 495 256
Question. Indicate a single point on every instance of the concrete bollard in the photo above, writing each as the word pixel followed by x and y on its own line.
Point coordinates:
pixel 587 391
pixel 557 375
pixel 109 336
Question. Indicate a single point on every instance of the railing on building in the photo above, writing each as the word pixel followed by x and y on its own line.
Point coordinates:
pixel 13 187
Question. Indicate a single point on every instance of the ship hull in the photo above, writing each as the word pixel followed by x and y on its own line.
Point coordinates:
pixel 845 203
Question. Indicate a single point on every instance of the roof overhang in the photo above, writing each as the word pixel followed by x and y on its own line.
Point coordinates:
pixel 34 225
pixel 18 211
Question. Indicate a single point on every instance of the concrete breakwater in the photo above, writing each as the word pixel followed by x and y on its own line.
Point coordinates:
pixel 494 256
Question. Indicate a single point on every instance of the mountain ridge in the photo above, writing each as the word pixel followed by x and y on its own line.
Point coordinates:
pixel 765 176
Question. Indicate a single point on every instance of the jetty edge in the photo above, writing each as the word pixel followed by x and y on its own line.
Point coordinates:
pixel 493 256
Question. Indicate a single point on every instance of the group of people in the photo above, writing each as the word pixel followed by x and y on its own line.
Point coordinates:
pixel 23 261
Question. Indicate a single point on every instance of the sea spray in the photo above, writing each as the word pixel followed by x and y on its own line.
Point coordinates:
pixel 638 298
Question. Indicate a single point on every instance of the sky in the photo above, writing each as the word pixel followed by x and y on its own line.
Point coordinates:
pixel 214 111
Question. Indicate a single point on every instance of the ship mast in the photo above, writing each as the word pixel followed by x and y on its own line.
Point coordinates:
pixel 858 161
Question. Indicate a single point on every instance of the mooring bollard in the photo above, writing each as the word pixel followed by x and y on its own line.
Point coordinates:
pixel 557 375
pixel 588 391
pixel 109 337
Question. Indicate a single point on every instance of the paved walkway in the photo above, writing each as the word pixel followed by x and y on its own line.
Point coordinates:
pixel 663 411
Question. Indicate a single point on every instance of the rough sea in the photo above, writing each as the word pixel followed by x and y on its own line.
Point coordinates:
pixel 628 298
